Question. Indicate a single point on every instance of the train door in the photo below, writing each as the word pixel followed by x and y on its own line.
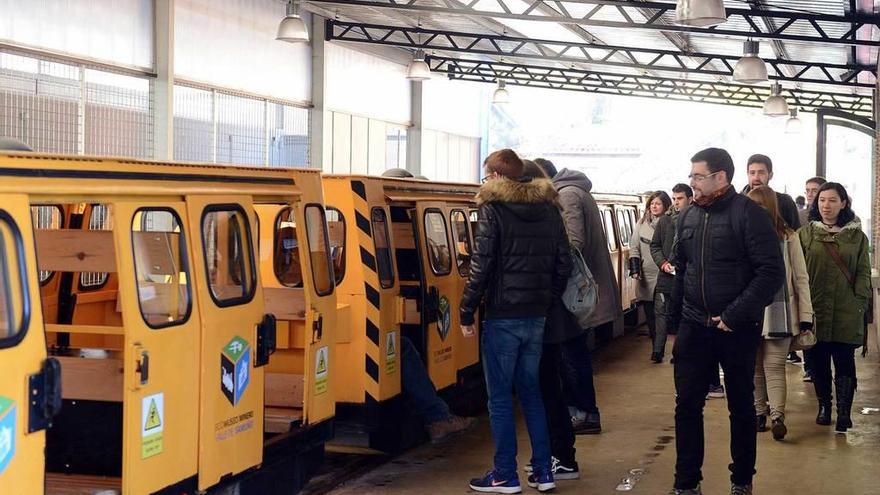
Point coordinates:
pixel 161 399
pixel 628 284
pixel 22 354
pixel 231 304
pixel 611 236
pixel 439 290
pixel 319 399
pixel 467 349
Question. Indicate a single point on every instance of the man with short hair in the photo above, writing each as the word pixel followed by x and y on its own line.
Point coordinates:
pixel 521 263
pixel 760 170
pixel 811 189
pixel 661 252
pixel 728 265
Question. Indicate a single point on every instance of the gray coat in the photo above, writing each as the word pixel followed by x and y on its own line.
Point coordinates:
pixel 584 225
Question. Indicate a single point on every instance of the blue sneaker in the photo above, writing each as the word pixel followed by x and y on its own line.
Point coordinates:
pixel 492 484
pixel 543 482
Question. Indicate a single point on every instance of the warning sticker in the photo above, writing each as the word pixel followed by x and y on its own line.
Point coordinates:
pixel 322 368
pixel 7 432
pixel 390 352
pixel 152 424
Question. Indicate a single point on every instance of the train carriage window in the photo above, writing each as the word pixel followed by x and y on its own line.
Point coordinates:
pixel 336 228
pixel 319 249
pixel 229 259
pixel 609 230
pixel 622 227
pixel 462 241
pixel 286 261
pixel 100 218
pixel 161 268
pixel 47 217
pixel 631 219
pixel 382 244
pixel 13 285
pixel 437 242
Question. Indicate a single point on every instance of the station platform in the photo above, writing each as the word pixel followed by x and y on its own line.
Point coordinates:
pixel 637 444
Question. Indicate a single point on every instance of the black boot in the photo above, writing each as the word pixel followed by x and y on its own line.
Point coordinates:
pixel 762 423
pixel 845 386
pixel 823 395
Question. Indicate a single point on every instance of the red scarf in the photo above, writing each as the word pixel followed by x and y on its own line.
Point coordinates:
pixel 705 201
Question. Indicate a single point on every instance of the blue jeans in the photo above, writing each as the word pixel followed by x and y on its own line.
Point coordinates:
pixel 417 385
pixel 511 352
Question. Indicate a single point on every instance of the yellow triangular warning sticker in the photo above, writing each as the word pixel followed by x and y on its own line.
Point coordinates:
pixel 390 350
pixel 153 418
pixel 322 363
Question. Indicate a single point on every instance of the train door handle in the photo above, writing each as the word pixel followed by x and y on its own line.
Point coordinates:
pixel 143 367
pixel 318 328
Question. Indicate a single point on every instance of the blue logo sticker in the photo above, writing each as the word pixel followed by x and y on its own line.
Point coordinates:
pixel 7 432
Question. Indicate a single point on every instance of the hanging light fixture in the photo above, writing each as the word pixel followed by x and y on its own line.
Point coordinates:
pixel 500 96
pixel 750 69
pixel 794 124
pixel 418 69
pixel 292 29
pixel 776 106
pixel 700 13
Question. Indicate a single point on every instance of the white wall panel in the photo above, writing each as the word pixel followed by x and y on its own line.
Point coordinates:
pixel 360 145
pixel 367 85
pixel 231 43
pixel 429 153
pixel 377 147
pixel 341 143
pixel 442 156
pixel 119 32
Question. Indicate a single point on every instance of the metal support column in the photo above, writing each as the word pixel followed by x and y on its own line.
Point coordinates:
pixel 163 90
pixel 414 133
pixel 321 122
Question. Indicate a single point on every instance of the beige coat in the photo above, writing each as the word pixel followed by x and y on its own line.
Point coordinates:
pixel 797 279
pixel 640 247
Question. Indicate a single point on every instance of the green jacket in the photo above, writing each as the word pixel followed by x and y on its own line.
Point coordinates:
pixel 839 307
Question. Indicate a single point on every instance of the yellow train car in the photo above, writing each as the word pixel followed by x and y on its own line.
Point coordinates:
pixel 402 247
pixel 147 344
pixel 620 214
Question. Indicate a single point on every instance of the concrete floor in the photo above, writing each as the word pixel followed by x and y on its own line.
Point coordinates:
pixel 638 441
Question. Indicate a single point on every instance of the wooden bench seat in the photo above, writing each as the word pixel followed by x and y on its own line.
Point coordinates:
pixel 280 419
pixel 92 379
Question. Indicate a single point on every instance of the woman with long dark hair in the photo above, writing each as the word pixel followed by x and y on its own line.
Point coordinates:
pixel 790 313
pixel 836 251
pixel 641 264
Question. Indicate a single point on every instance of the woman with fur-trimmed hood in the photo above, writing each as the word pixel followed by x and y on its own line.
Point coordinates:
pixel 521 262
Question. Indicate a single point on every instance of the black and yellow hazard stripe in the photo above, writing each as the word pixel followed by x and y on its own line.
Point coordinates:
pixel 372 349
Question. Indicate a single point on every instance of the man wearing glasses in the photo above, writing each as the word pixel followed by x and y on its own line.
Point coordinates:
pixel 729 266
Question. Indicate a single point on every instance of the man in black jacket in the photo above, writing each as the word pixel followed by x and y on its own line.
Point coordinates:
pixel 661 252
pixel 760 170
pixel 520 264
pixel 728 263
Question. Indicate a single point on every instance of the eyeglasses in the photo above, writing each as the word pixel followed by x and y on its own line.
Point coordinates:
pixel 485 179
pixel 701 177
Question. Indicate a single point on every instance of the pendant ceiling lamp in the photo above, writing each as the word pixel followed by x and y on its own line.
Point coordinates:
pixel 418 69
pixel 292 29
pixel 794 124
pixel 750 69
pixel 700 13
pixel 776 106
pixel 500 96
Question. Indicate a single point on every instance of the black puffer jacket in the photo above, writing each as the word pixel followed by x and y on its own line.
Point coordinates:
pixel 728 262
pixel 661 249
pixel 521 257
